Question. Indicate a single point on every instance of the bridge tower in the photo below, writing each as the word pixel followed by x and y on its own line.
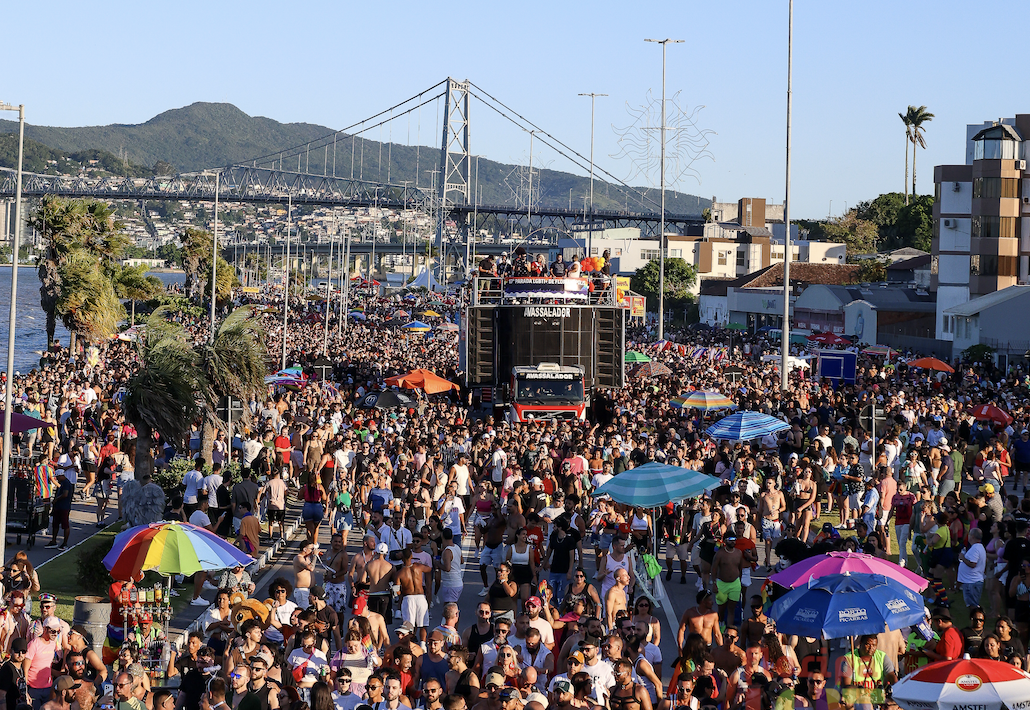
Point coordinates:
pixel 455 163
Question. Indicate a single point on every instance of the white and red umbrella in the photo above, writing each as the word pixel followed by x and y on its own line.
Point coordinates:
pixel 988 412
pixel 963 684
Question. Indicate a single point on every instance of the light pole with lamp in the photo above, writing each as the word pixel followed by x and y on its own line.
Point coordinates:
pixel 785 330
pixel 286 273
pixel 529 200
pixel 661 228
pixel 214 258
pixel 9 388
pixel 590 234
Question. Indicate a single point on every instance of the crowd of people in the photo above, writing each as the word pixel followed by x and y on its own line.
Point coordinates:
pixel 413 496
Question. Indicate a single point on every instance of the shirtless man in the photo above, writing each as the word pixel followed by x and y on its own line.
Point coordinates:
pixel 770 508
pixel 752 630
pixel 362 558
pixel 414 607
pixel 303 574
pixel 379 574
pixel 625 694
pixel 700 619
pixel 493 548
pixel 336 579
pixel 616 599
pixel 727 569
pixel 729 656
pixel 804 504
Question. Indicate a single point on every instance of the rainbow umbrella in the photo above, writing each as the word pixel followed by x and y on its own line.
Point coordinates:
pixel 703 401
pixel 170 548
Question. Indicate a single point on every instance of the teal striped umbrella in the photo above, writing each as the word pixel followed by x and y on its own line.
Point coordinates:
pixel 655 484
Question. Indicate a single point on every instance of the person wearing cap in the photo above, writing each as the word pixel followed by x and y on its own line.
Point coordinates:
pixel 48 612
pixel 950 645
pixel 64 693
pixel 599 671
pixel 946 471
pixel 379 575
pixel 327 621
pixel 434 661
pixel 11 676
pixel 36 664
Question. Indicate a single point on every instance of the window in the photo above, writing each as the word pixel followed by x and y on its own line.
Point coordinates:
pixel 648 254
pixel 974 265
pixel 994 149
pixel 676 253
pixel 722 258
pixel 988 227
pixel 740 258
pixel 995 187
pixel 944 324
pixel 934 265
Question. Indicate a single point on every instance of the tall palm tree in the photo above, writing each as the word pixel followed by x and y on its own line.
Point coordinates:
pixel 196 258
pixel 87 305
pixel 908 137
pixel 66 227
pixel 161 396
pixel 917 117
pixel 234 365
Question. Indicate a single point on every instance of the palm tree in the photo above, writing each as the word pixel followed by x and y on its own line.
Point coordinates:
pixel 67 226
pixel 196 257
pixel 161 396
pixel 133 283
pixel 234 365
pixel 917 117
pixel 908 137
pixel 87 305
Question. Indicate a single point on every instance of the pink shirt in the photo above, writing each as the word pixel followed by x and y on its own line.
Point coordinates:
pixel 40 655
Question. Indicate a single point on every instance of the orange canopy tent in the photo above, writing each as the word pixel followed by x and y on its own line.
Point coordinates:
pixel 422 380
pixel 931 363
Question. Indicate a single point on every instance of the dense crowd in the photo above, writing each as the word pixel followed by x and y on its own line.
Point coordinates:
pixel 412 496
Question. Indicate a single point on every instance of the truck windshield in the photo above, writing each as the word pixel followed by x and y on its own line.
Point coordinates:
pixel 549 390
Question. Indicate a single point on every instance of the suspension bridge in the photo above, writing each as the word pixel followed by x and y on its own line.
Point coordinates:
pixel 451 199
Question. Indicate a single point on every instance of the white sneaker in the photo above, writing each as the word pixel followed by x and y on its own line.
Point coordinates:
pixel 200 601
pixel 174 593
pixel 484 591
pixel 699 584
pixel 209 586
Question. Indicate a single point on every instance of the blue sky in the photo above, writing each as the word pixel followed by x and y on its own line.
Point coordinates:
pixel 856 65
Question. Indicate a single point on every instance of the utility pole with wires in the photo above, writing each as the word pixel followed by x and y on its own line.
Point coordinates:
pixel 661 228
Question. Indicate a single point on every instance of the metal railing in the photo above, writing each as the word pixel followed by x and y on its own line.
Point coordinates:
pixel 502 291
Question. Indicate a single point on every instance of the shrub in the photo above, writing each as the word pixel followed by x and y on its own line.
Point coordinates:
pixel 91 575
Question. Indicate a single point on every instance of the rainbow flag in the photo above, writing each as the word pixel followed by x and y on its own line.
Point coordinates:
pixel 45 480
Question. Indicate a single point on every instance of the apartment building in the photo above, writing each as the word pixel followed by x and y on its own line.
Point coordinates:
pixel 981 234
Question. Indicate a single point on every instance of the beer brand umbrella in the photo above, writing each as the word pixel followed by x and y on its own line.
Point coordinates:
pixel 385 400
pixel 655 484
pixel 839 605
pixel 964 683
pixel 846 562
pixel 745 426
pixel 931 363
pixel 634 356
pixel 990 413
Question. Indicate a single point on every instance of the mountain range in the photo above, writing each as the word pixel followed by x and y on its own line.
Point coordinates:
pixel 205 135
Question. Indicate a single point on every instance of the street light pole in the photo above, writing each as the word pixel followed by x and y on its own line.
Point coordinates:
pixel 785 330
pixel 9 389
pixel 214 258
pixel 590 232
pixel 661 236
pixel 286 273
pixel 529 201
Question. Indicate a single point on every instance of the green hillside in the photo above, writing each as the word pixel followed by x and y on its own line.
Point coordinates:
pixel 205 135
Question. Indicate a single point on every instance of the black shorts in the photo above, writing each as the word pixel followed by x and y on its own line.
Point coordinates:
pixel 61 519
pixel 276 516
pixel 1021 467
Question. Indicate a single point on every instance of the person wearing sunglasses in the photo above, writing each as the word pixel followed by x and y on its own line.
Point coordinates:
pixel 239 679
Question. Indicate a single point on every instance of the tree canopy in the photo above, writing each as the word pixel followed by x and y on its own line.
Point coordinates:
pixel 680 278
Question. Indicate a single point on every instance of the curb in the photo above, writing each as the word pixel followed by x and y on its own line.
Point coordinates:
pixel 254 569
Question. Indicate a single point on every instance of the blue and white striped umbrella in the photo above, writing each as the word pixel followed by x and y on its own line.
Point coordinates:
pixel 745 426
pixel 655 484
